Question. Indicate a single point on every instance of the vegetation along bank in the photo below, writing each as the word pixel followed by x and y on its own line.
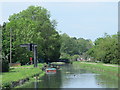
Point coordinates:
pixel 19 75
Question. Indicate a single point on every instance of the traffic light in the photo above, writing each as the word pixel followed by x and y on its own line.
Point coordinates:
pixel 31 48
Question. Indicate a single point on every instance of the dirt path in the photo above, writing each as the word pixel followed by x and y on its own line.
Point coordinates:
pixel 88 63
pixel 103 64
pixel 111 65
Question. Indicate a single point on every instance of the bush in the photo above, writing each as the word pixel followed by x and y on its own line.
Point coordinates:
pixel 75 57
pixel 5 64
pixel 65 56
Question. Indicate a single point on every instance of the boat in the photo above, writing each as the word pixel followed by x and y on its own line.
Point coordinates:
pixel 50 70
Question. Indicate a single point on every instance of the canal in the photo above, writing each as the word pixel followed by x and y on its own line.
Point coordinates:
pixel 73 76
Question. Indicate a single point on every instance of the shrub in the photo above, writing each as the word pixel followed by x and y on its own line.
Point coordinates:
pixel 5 64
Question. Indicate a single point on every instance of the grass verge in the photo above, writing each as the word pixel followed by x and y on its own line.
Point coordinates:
pixel 30 81
pixel 16 74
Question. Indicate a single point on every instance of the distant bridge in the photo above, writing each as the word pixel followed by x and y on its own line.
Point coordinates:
pixel 59 60
pixel 62 60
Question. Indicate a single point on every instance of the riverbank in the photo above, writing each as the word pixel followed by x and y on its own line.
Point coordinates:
pixel 19 75
pixel 106 69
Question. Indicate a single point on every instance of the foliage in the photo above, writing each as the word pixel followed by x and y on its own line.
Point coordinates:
pixel 5 64
pixel 105 49
pixel 75 57
pixel 71 46
pixel 65 56
pixel 32 25
pixel 5 51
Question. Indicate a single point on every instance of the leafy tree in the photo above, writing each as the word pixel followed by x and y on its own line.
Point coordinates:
pixel 105 49
pixel 84 45
pixel 4 47
pixel 33 25
pixel 71 46
pixel 75 57
pixel 65 56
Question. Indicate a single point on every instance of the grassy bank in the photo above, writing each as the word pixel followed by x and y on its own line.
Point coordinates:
pixel 19 73
pixel 108 70
pixel 31 80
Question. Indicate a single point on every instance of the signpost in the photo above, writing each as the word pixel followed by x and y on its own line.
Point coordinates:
pixel 32 47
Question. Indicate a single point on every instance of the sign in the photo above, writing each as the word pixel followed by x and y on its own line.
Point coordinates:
pixel 24 45
pixel 30 46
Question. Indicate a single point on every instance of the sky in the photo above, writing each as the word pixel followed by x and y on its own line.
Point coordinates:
pixel 89 20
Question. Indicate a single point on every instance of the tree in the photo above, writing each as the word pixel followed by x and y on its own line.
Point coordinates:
pixel 4 48
pixel 84 45
pixel 71 46
pixel 105 49
pixel 68 45
pixel 33 25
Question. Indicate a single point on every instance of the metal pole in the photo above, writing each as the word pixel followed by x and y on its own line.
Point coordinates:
pixel 10 47
pixel 35 59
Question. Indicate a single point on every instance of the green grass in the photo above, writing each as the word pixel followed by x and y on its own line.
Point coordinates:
pixel 100 68
pixel 31 80
pixel 39 65
pixel 17 74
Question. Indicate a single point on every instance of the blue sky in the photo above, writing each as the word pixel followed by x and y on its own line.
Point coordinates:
pixel 88 20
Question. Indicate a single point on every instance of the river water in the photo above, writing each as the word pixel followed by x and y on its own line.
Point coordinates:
pixel 73 76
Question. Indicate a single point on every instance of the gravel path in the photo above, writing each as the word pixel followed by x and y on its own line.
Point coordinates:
pixel 111 65
pixel 103 64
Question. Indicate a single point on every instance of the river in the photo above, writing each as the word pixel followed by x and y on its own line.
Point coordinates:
pixel 73 76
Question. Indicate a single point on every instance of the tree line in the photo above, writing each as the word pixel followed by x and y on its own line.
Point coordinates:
pixel 106 49
pixel 34 25
pixel 73 48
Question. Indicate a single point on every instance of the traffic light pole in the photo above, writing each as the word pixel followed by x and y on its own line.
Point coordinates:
pixel 35 55
pixel 32 47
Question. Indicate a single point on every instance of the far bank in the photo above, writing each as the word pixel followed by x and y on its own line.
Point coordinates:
pixel 110 70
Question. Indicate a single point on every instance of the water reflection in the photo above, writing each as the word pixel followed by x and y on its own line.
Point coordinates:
pixel 51 80
pixel 78 78
pixel 105 81
pixel 72 76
